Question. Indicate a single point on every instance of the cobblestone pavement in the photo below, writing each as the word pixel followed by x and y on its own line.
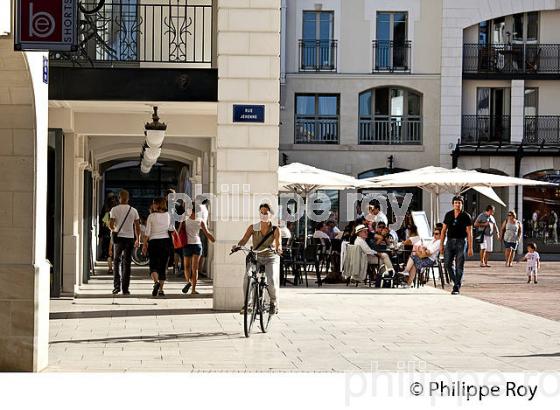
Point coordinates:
pixel 508 287
pixel 333 328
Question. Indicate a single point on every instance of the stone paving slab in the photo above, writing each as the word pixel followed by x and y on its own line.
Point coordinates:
pixel 333 328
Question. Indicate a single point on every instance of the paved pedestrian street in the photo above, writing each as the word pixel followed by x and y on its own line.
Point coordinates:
pixel 334 328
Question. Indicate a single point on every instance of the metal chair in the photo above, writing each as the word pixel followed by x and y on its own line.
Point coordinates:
pixel 306 257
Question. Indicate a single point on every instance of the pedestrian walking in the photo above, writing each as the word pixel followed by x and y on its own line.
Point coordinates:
pixel 511 233
pixel 191 253
pixel 125 226
pixel 204 213
pixel 157 241
pixel 533 262
pixel 486 222
pixel 457 228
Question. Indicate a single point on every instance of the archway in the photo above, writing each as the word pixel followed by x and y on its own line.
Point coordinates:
pixel 541 210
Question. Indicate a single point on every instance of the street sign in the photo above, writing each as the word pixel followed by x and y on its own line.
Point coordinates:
pixel 46 25
pixel 248 113
pixel 45 70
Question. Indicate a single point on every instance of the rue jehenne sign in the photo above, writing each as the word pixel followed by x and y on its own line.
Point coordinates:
pixel 248 113
pixel 46 25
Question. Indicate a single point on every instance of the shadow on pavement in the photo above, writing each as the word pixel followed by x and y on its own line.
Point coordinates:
pixel 132 313
pixel 152 339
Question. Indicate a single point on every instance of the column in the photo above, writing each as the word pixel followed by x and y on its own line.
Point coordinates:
pixel 247 153
pixel 517 110
pixel 24 271
pixel 70 244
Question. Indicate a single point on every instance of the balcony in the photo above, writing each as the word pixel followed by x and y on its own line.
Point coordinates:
pixel 390 56
pixel 511 60
pixel 486 129
pixel 143 52
pixel 390 130
pixel 317 55
pixel 542 129
pixel 127 32
pixel 316 130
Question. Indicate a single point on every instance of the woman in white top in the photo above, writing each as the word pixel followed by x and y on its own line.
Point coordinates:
pixel 425 256
pixel 192 251
pixel 158 226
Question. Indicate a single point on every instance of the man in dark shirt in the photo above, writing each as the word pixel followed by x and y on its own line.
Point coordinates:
pixel 457 226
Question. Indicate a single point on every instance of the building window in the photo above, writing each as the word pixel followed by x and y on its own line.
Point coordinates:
pixel 518 29
pixel 391 47
pixel 492 120
pixel 389 115
pixel 317 117
pixel 318 47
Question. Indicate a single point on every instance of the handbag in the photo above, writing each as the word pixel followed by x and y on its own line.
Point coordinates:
pixel 479 235
pixel 179 238
pixel 115 235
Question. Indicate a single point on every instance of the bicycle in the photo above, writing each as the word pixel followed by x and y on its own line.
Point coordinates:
pixel 257 298
pixel 139 258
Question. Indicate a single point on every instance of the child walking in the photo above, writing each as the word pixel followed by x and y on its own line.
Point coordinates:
pixel 533 262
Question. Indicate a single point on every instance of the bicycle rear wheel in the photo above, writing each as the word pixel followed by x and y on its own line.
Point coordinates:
pixel 250 307
pixel 265 315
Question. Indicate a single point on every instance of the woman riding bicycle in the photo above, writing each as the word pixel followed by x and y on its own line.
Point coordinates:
pixel 265 235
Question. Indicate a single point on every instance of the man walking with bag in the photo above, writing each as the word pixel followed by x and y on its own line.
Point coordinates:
pixel 125 227
pixel 486 222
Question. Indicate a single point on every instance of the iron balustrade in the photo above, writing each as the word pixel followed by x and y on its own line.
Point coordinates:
pixel 484 129
pixel 390 130
pixel 317 55
pixel 128 31
pixel 316 130
pixel 511 58
pixel 391 56
pixel 541 129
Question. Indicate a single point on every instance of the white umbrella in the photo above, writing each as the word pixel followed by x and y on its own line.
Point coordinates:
pixel 303 179
pixel 437 180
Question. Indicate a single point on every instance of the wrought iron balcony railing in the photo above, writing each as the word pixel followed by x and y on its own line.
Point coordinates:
pixel 542 129
pixel 390 130
pixel 129 31
pixel 511 58
pixel 316 130
pixel 391 56
pixel 486 129
pixel 317 55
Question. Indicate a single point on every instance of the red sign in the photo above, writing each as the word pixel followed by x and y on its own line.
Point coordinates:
pixel 46 25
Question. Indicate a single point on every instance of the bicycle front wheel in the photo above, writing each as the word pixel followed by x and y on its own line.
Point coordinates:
pixel 250 307
pixel 265 314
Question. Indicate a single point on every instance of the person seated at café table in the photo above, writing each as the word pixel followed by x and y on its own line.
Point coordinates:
pixel 425 255
pixel 321 232
pixel 373 256
pixel 332 229
pixel 412 236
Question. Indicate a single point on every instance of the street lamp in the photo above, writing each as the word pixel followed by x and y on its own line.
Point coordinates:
pixel 151 149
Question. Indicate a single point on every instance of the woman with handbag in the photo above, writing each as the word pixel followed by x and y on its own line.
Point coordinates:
pixel 511 234
pixel 157 240
pixel 193 224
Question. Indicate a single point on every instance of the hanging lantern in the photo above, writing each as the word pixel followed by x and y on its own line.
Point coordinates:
pixel 152 154
pixel 155 131
pixel 144 169
pixel 154 138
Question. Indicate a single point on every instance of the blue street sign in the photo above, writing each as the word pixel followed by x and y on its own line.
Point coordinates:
pixel 45 70
pixel 248 113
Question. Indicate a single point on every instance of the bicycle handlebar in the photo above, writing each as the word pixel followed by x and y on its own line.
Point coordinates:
pixel 250 250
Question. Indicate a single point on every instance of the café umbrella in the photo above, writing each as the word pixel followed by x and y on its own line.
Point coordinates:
pixel 302 179
pixel 437 180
